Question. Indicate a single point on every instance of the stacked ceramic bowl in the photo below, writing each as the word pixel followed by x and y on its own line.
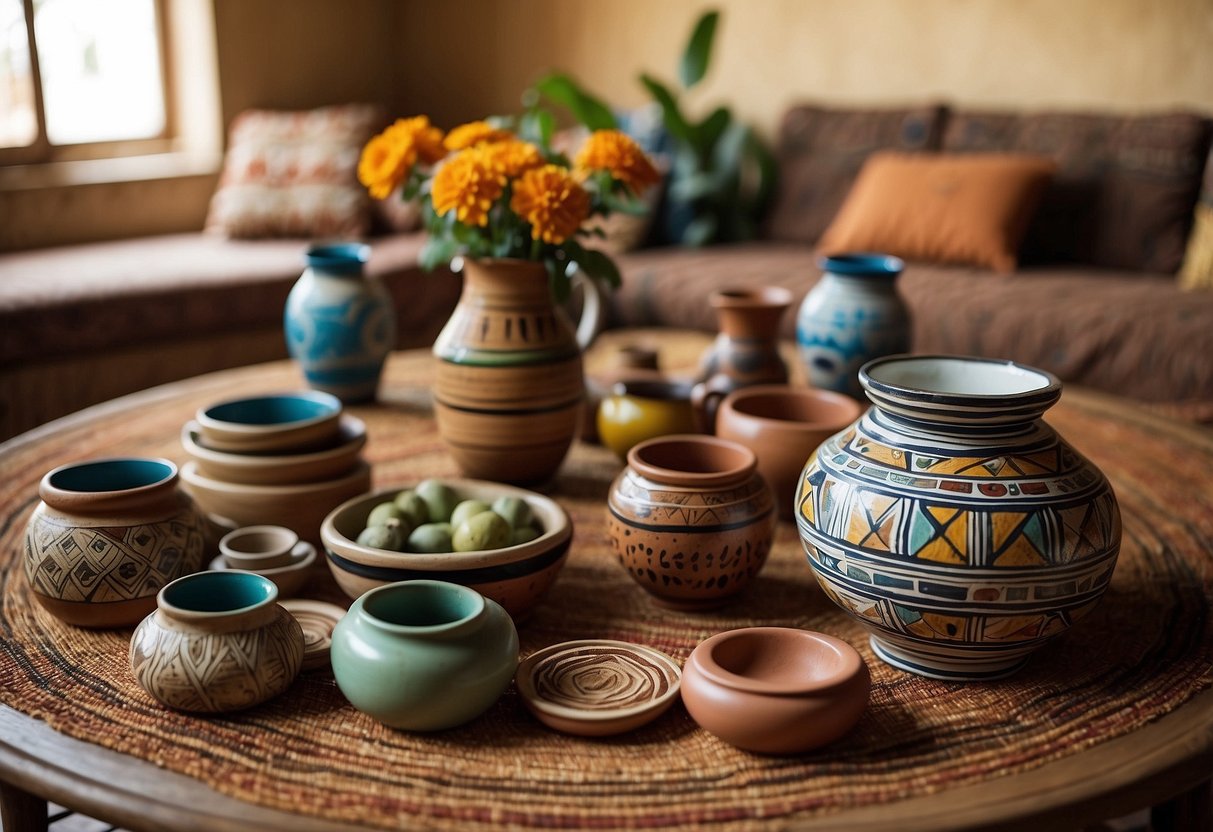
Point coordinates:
pixel 282 459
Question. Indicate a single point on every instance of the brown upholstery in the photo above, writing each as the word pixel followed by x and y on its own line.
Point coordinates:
pixel 1132 334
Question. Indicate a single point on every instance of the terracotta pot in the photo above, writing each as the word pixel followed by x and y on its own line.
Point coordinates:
pixel 745 352
pixel 509 390
pixel 783 426
pixel 775 690
pixel 108 534
pixel 691 519
pixel 952 522
pixel 218 641
pixel 642 409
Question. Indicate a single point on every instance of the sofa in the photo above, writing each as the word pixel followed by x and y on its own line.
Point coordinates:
pixel 1095 297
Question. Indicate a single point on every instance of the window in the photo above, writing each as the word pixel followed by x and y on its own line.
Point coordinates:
pixel 81 79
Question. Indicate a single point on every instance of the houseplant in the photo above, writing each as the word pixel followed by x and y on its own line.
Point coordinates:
pixel 509 388
pixel 722 175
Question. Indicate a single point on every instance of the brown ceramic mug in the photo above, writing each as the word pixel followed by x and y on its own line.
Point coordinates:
pixel 783 425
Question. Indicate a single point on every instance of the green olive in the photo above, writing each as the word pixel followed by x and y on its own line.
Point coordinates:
pixel 382 537
pixel 413 507
pixel 382 513
pixel 439 498
pixel 524 534
pixel 515 510
pixel 486 530
pixel 431 537
pixel 466 510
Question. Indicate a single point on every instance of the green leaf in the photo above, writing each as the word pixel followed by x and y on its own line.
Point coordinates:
pixel 712 128
pixel 671 115
pixel 698 53
pixel 537 126
pixel 768 171
pixel 585 108
pixel 599 266
pixel 437 252
pixel 700 231
pixel 693 187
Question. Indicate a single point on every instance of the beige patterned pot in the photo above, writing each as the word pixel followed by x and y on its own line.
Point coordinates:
pixel 107 536
pixel 509 392
pixel 218 641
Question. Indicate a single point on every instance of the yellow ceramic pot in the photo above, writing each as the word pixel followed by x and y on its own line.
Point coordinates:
pixel 644 409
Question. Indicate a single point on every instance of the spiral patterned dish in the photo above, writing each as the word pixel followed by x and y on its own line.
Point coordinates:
pixel 317 618
pixel 598 687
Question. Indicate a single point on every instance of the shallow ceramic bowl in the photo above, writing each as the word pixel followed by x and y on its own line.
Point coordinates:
pixel 595 687
pixel 293 421
pixel 301 508
pixel 279 468
pixel 289 578
pixel 515 576
pixel 775 690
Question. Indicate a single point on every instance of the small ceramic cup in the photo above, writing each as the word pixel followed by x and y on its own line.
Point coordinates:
pixel 271 423
pixel 218 641
pixel 775 690
pixel 258 547
pixel 641 409
pixel 783 426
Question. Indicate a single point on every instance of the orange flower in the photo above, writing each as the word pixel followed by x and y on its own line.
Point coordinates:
pixel 467 185
pixel 388 157
pixel 620 156
pixel 552 201
pixel 474 133
pixel 512 157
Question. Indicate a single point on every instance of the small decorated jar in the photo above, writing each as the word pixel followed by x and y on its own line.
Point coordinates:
pixel 107 536
pixel 218 641
pixel 690 519
pixel 424 655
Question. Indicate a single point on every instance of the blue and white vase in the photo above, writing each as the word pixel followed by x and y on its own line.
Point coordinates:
pixel 340 323
pixel 853 315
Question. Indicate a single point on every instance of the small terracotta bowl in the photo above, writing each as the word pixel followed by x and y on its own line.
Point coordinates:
pixel 514 576
pixel 775 690
pixel 783 426
pixel 596 687
pixel 276 422
pixel 289 577
pixel 279 468
pixel 301 507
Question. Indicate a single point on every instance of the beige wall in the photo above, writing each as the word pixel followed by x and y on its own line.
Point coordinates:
pixel 461 59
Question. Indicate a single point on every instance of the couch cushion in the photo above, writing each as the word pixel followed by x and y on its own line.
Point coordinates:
pixel 80 299
pixel 1127 333
pixel 1125 186
pixel 820 152
pixel 942 208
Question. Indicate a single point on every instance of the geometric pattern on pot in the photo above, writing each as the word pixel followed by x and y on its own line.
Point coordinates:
pixel 961 548
pixel 104 564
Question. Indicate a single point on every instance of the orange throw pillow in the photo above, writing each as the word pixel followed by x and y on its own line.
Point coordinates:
pixel 969 208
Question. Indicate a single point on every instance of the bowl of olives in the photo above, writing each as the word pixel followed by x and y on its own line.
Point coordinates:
pixel 506 543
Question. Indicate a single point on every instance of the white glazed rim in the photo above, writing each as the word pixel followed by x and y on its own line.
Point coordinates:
pixel 957 378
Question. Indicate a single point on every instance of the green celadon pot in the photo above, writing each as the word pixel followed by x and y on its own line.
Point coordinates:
pixel 424 655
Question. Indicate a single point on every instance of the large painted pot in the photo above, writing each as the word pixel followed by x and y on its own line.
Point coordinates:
pixel 218 641
pixel 424 655
pixel 107 536
pixel 340 323
pixel 510 390
pixel 955 524
pixel 853 315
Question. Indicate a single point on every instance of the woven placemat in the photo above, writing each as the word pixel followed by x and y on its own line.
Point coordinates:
pixel 1146 650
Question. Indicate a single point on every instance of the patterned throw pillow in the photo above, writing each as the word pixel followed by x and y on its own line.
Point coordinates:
pixel 294 174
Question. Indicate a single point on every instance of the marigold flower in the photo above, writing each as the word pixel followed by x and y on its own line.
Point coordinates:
pixel 552 201
pixel 619 155
pixel 474 133
pixel 512 157
pixel 469 186
pixel 423 137
pixel 383 165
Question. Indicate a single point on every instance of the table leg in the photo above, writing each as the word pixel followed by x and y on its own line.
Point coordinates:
pixel 1188 811
pixel 21 811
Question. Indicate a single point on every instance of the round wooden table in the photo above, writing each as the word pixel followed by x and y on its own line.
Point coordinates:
pixel 1115 717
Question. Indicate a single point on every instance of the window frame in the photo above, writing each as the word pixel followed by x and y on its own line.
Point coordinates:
pixel 42 151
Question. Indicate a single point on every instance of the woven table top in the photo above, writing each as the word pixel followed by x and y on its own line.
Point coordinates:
pixel 1145 651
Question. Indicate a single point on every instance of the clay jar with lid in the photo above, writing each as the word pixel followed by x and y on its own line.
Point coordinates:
pixel 775 690
pixel 424 655
pixel 690 519
pixel 218 641
pixel 107 536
